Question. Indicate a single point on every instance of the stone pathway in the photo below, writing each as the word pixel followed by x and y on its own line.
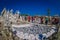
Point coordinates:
pixel 1 38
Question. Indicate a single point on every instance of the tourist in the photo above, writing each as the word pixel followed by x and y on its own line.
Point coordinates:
pixel 56 20
pixel 46 20
pixel 25 18
pixel 41 20
pixel 53 19
pixel 32 18
pixel 29 18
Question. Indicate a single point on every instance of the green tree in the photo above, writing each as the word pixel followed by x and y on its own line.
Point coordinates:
pixel 48 12
pixel 24 14
pixel 49 15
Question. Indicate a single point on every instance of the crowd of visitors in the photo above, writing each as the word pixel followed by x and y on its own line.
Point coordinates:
pixel 43 20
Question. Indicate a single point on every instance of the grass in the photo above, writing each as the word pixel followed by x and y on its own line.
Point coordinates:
pixel 59 35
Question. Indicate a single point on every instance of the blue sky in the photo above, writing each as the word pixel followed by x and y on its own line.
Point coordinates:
pixel 32 7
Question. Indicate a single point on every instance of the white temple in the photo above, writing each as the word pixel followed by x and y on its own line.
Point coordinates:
pixel 18 21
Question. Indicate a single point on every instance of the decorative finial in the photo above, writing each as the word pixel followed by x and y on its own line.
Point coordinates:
pixel 17 12
pixel 11 11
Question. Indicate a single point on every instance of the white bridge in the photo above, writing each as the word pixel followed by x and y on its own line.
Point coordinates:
pixel 31 32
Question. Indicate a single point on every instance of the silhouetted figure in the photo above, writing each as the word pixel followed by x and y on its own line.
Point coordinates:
pixel 41 20
pixel 46 20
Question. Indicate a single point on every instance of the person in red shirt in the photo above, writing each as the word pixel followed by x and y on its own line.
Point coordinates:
pixel 29 18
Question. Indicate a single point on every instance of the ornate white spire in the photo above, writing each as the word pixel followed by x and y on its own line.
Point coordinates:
pixel 4 11
pixel 11 11
pixel 17 12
